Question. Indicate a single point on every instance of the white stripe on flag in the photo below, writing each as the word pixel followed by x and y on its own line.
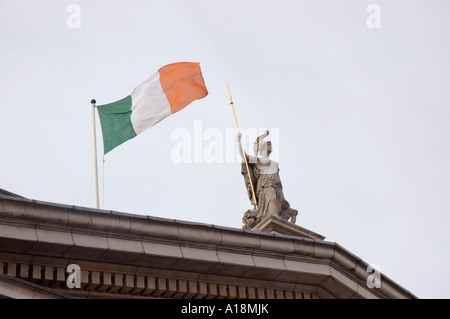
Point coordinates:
pixel 149 104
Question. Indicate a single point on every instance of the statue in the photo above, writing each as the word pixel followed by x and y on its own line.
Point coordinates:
pixel 266 184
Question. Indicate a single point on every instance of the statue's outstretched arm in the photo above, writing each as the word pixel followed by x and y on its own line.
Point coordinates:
pixel 263 135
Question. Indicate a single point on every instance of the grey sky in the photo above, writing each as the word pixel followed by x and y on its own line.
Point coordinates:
pixel 363 115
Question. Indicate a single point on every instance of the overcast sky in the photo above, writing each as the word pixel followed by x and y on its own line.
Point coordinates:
pixel 359 111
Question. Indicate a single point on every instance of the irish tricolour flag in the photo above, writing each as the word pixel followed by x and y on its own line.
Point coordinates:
pixel 167 91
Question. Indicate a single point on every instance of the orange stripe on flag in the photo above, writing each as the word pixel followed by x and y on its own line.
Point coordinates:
pixel 182 83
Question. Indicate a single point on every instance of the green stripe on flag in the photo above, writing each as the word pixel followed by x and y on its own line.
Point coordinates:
pixel 115 119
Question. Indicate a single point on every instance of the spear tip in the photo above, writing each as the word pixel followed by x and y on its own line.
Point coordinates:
pixel 229 94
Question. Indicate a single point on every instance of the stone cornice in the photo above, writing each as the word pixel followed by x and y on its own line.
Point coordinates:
pixel 71 232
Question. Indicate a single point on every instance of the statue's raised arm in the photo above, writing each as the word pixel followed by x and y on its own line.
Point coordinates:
pixel 259 140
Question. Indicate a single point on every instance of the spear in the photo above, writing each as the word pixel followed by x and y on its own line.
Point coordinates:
pixel 243 151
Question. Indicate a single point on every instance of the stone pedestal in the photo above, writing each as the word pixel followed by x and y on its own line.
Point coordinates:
pixel 274 224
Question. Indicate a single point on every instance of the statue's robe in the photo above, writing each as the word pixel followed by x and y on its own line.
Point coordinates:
pixel 268 188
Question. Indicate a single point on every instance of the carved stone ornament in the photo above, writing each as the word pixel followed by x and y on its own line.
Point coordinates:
pixel 264 184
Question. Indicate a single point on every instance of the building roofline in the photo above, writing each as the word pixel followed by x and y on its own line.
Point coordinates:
pixel 7 193
pixel 144 225
pixel 13 287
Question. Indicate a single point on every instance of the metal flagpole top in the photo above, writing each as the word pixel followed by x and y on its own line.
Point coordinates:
pixel 96 194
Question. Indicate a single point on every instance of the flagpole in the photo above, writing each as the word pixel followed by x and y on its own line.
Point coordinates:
pixel 95 155
pixel 243 151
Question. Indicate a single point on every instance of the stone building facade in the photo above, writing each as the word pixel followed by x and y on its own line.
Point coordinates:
pixel 133 256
